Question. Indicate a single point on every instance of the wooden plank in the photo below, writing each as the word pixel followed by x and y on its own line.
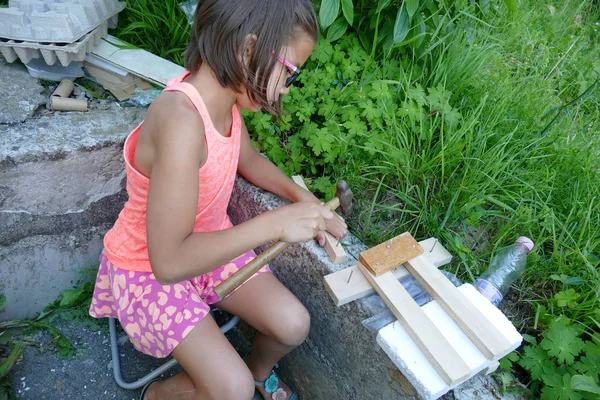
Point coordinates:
pixel 349 284
pixel 333 247
pixel 387 255
pixel 486 337
pixel 444 358
pixel 491 368
pixel 137 61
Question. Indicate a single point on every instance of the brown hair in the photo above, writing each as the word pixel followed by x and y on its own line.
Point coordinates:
pixel 219 34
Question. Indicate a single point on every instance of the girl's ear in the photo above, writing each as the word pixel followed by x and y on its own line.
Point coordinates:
pixel 248 48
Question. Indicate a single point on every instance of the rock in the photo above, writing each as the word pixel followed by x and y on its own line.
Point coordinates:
pixel 20 93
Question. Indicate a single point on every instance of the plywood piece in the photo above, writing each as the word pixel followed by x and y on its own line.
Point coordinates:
pixel 333 247
pixel 492 368
pixel 387 255
pixel 139 62
pixel 440 353
pixel 485 336
pixel 349 284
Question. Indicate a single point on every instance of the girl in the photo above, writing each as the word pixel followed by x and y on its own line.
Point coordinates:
pixel 173 242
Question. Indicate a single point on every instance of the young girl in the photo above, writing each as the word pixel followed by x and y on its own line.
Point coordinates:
pixel 173 243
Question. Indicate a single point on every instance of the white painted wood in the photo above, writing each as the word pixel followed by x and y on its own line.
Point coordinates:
pixel 139 62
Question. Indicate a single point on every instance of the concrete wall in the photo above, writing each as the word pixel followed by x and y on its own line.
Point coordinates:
pixel 61 188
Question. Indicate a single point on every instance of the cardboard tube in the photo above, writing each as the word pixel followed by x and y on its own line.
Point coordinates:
pixel 66 104
pixel 64 89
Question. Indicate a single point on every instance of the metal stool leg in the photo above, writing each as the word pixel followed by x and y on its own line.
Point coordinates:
pixel 116 363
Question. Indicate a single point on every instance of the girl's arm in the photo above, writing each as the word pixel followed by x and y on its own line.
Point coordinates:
pixel 263 173
pixel 176 253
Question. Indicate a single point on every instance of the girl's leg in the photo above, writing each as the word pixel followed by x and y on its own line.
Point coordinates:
pixel 213 369
pixel 281 321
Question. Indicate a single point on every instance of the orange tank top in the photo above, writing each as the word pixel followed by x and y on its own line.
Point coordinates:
pixel 125 243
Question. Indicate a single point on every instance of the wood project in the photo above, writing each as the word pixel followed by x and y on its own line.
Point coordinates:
pixel 491 343
pixel 449 364
pixel 333 247
pixel 382 258
pixel 448 340
pixel 349 284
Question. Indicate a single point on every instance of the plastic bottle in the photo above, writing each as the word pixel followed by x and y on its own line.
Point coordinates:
pixel 418 293
pixel 506 267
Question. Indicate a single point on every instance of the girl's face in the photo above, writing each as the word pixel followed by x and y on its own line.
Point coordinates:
pixel 295 53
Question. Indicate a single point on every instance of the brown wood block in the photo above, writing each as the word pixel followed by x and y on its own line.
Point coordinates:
pixel 349 284
pixel 387 255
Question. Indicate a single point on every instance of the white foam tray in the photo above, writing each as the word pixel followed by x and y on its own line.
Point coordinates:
pixel 53 52
pixel 57 21
pixel 413 363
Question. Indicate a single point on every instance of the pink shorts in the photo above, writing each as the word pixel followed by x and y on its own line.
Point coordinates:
pixel 157 317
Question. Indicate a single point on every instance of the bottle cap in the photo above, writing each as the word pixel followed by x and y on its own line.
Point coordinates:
pixel 526 241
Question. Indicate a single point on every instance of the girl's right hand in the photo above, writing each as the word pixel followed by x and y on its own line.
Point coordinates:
pixel 300 222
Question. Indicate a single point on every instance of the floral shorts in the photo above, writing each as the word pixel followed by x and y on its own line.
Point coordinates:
pixel 157 317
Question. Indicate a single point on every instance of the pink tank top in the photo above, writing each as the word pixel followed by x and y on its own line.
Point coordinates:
pixel 126 244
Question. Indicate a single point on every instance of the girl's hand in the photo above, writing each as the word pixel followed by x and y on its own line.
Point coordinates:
pixel 300 222
pixel 336 226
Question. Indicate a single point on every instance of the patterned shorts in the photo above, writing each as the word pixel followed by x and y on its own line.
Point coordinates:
pixel 157 317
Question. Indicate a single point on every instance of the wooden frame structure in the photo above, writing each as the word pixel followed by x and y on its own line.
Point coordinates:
pixel 448 362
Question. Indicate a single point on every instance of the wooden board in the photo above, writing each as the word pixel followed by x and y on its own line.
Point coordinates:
pixel 486 337
pixel 387 255
pixel 139 62
pixel 444 358
pixel 349 284
pixel 333 247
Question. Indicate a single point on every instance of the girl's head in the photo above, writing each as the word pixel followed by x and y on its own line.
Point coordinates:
pixel 253 45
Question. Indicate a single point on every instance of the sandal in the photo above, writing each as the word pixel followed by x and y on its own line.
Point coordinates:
pixel 145 389
pixel 271 385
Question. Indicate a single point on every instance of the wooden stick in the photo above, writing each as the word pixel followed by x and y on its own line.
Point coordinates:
pixel 485 336
pixel 246 272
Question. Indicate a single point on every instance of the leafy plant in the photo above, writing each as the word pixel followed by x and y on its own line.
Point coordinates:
pixel 17 335
pixel 159 27
pixel 562 366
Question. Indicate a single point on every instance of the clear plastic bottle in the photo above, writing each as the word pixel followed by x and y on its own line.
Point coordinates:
pixel 418 293
pixel 506 267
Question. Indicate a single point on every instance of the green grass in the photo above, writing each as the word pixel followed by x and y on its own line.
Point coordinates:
pixel 156 26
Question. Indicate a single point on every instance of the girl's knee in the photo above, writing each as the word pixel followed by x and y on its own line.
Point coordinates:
pixel 238 383
pixel 294 328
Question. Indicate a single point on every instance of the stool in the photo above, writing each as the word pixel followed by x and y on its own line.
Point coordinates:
pixel 116 363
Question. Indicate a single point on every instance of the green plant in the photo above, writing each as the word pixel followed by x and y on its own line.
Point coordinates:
pixel 385 25
pixel 17 335
pixel 159 27
pixel 562 366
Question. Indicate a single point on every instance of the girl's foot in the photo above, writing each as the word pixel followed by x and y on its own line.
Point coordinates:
pixel 275 389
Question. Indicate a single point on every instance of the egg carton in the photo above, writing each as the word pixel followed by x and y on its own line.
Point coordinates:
pixel 57 21
pixel 53 52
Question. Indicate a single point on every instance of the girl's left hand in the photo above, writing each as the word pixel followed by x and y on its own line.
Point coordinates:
pixel 336 226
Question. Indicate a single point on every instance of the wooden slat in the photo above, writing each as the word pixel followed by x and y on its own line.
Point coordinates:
pixel 349 284
pixel 390 254
pixel 333 247
pixel 444 358
pixel 137 61
pixel 486 337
